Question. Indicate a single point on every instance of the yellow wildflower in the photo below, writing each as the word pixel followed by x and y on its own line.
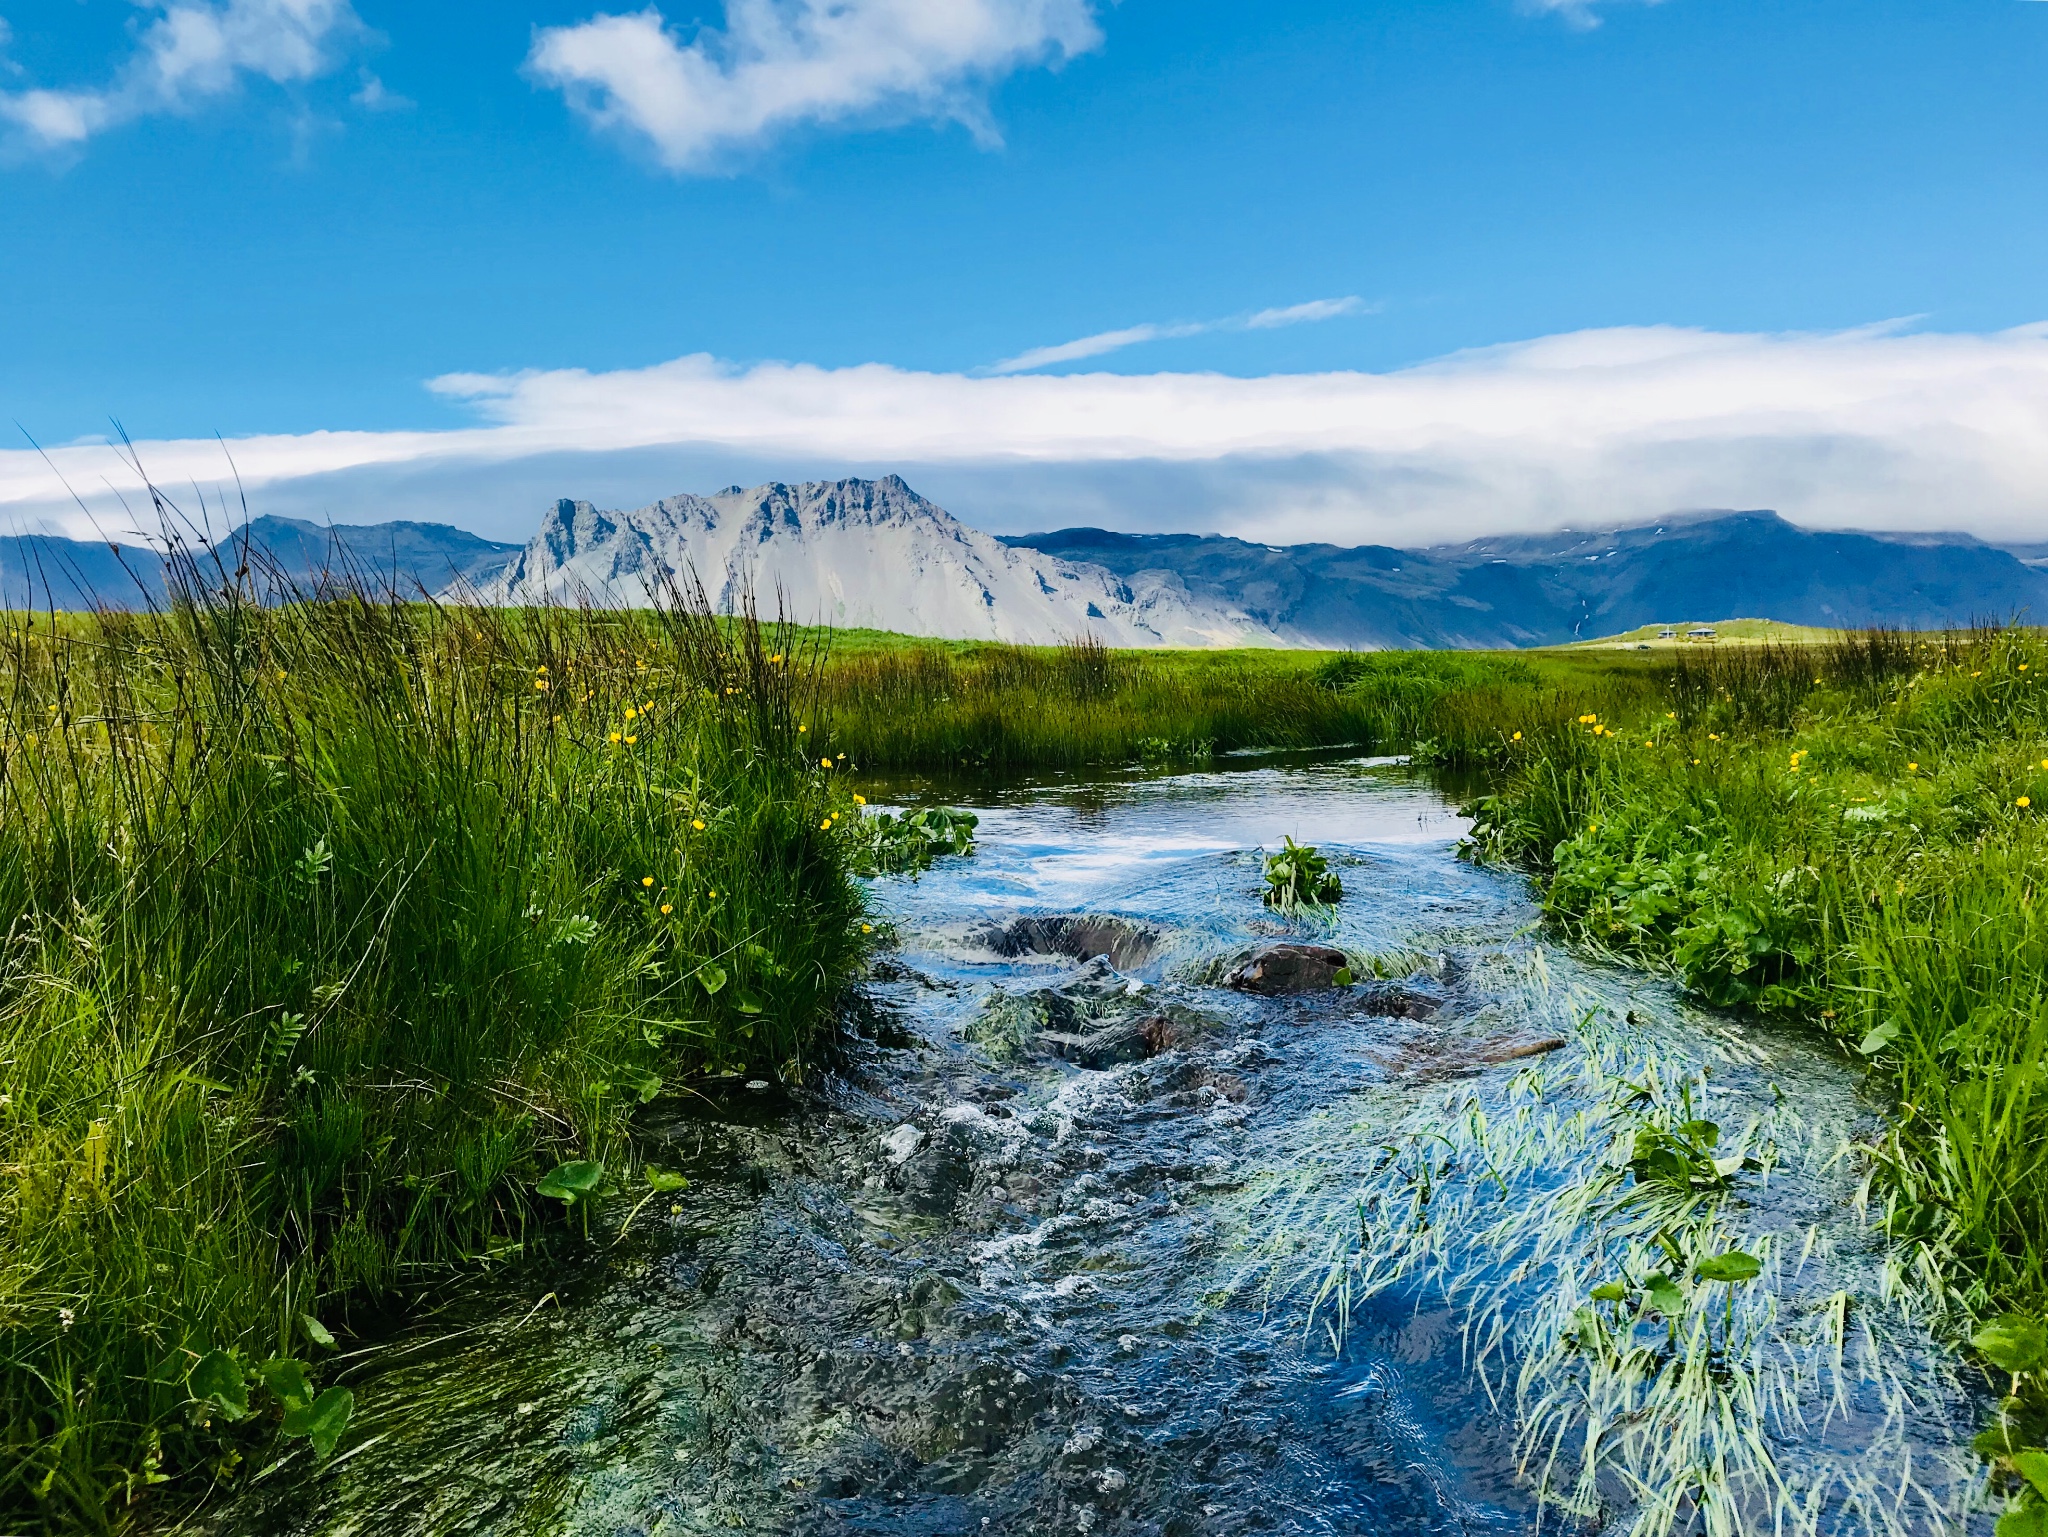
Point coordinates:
pixel 714 893
pixel 542 668
pixel 667 908
pixel 824 763
pixel 867 928
pixel 540 685
pixel 2023 802
pixel 862 800
pixel 1912 768
pixel 698 823
pixel 631 740
pixel 1517 736
pixel 631 712
pixel 825 826
pixel 615 737
pixel 803 728
pixel 647 880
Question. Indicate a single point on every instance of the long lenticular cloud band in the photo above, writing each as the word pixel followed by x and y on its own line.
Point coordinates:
pixel 1873 427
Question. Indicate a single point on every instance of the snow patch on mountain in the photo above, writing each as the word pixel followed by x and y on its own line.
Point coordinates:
pixel 856 553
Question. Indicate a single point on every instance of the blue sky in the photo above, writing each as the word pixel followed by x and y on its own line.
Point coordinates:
pixel 380 195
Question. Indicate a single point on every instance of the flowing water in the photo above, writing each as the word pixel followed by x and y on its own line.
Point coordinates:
pixel 1081 1240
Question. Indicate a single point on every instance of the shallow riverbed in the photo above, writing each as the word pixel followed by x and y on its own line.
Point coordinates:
pixel 1101 1245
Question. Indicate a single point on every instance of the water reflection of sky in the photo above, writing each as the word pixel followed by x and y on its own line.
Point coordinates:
pixel 1055 843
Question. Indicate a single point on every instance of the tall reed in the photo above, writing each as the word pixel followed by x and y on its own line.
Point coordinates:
pixel 332 923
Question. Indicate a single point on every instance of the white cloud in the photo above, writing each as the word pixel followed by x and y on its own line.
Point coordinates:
pixel 1130 336
pixel 1301 314
pixel 192 50
pixel 1584 14
pixel 779 63
pixel 1869 428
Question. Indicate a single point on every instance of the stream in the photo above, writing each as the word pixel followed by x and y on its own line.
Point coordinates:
pixel 1080 1239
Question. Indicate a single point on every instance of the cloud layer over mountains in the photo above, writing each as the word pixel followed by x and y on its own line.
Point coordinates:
pixel 1871 428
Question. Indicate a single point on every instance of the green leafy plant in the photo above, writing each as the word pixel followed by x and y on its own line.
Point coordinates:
pixel 573 1183
pixel 889 844
pixel 1299 876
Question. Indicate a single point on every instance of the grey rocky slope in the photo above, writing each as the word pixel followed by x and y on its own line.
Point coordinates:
pixel 857 553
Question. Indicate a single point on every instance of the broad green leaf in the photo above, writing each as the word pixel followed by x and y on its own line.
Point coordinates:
pixel 2033 1466
pixel 2013 1343
pixel 1664 1295
pixel 1730 1267
pixel 747 1002
pixel 286 1377
pixel 1881 1036
pixel 2029 1520
pixel 573 1181
pixel 218 1376
pixel 1342 977
pixel 316 1331
pixel 1611 1291
pixel 323 1420
pixel 665 1179
pixel 712 975
pixel 648 1085
pixel 1729 1167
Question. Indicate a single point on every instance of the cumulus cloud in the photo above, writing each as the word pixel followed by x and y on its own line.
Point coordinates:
pixel 1873 428
pixel 192 50
pixel 1130 336
pixel 780 63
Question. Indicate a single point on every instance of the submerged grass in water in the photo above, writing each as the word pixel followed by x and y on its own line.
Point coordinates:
pixel 1648 1395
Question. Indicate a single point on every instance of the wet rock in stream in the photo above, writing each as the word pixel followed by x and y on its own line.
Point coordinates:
pixel 1287 968
pixel 1080 937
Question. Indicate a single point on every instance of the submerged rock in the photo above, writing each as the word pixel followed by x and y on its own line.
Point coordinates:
pixel 1286 968
pixel 1129 1040
pixel 1078 936
pixel 902 1142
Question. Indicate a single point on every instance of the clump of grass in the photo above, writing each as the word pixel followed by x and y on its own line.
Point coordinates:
pixel 901 703
pixel 334 925
pixel 1851 834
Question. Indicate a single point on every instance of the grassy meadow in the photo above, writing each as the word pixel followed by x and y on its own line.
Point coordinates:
pixel 910 704
pixel 342 940
pixel 345 937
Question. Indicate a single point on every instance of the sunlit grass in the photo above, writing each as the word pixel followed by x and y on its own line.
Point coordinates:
pixel 332 926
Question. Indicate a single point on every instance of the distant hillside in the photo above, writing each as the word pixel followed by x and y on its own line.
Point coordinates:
pixel 38 571
pixel 1554 588
pixel 873 553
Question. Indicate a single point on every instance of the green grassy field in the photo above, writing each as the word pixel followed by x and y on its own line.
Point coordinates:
pixel 342 942
pixel 345 939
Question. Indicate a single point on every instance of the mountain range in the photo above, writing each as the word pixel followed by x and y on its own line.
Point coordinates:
pixel 873 553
